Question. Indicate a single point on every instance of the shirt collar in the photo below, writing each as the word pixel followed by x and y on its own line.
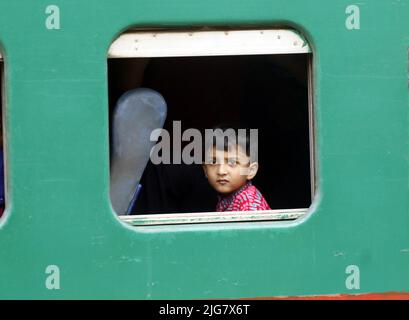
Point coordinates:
pixel 235 193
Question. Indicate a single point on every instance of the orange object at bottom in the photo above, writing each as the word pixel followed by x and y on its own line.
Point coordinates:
pixel 364 296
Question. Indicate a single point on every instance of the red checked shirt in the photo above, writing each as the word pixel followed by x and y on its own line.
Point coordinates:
pixel 247 198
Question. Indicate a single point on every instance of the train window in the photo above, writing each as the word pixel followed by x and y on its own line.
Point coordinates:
pixel 184 83
pixel 2 182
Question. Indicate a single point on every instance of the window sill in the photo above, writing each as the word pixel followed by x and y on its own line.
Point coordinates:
pixel 213 217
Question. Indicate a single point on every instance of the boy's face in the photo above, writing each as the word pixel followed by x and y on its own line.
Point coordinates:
pixel 229 171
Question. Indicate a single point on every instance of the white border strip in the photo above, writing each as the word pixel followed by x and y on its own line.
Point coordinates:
pixel 207 43
pixel 211 217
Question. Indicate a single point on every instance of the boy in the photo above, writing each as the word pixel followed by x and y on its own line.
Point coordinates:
pixel 229 170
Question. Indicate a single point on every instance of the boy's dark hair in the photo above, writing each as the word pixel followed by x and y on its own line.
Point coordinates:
pixel 233 135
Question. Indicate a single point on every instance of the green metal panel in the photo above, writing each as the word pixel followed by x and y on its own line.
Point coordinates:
pixel 58 160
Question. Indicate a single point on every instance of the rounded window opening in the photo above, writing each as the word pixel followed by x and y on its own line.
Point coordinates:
pixel 169 90
pixel 2 182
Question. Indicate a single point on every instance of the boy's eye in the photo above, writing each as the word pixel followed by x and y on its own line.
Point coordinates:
pixel 231 162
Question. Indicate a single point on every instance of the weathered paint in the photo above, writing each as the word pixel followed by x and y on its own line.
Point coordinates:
pixel 58 163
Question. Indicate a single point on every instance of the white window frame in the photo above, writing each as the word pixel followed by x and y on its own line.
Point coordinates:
pixel 166 43
pixel 207 43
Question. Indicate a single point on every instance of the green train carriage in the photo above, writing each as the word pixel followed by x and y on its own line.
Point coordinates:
pixel 346 236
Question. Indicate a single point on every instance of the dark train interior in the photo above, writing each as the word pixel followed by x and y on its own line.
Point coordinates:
pixel 264 92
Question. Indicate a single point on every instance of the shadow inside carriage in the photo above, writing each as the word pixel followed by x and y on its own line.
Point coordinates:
pixel 260 94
